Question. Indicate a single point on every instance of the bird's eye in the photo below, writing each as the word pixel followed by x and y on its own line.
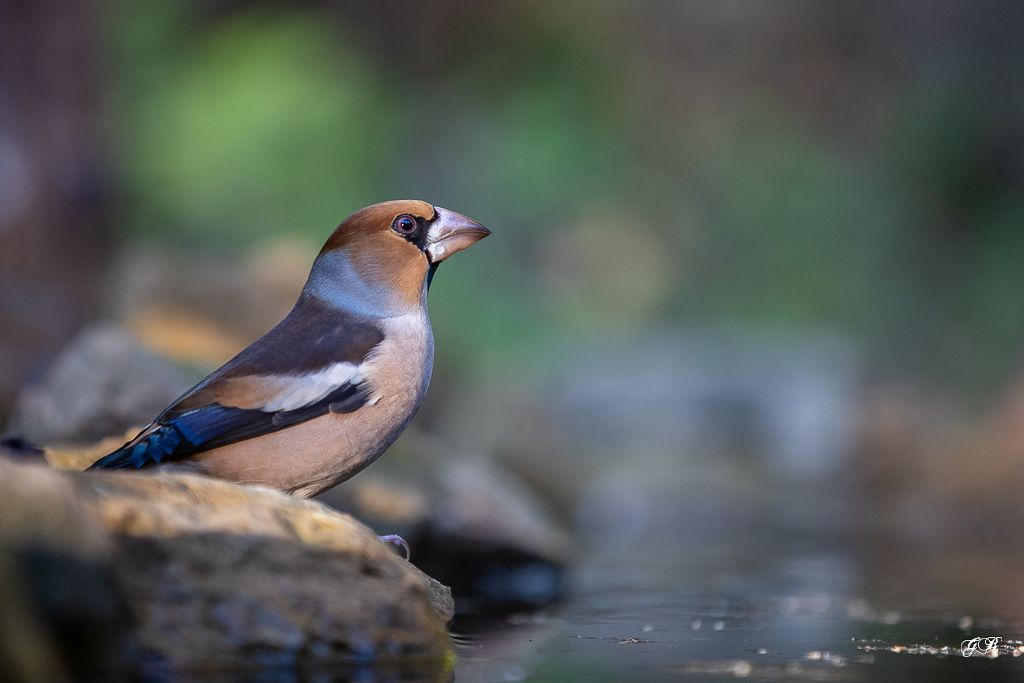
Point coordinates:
pixel 405 224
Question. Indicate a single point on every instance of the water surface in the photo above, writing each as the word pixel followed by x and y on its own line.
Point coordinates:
pixel 650 613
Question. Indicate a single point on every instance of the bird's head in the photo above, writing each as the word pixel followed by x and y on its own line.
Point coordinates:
pixel 381 258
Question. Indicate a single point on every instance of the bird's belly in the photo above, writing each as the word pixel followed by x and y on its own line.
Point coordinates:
pixel 307 458
pixel 315 455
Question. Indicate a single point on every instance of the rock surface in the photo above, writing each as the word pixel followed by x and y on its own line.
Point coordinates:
pixel 224 577
pixel 62 617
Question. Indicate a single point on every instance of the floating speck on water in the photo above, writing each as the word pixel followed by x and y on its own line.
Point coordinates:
pixel 647 628
pixel 718 625
pixel 814 655
pixel 695 624
pixel 966 623
pixel 762 651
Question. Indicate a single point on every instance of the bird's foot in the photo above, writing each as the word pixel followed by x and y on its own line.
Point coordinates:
pixel 397 540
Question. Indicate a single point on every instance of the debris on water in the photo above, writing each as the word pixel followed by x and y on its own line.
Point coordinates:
pixel 718 625
pixel 695 624
pixel 762 651
pixel 620 641
pixel 647 628
pixel 1008 648
pixel 831 658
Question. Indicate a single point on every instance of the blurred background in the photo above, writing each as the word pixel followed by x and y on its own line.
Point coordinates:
pixel 755 278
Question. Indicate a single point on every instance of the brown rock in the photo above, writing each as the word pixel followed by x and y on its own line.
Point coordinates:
pixel 62 615
pixel 219 575
pixel 171 505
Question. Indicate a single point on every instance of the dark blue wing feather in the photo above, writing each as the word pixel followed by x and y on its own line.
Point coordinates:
pixel 215 425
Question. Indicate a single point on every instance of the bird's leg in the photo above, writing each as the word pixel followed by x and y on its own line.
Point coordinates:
pixel 397 540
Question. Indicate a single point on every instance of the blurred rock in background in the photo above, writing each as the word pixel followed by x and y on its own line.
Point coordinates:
pixel 941 500
pixel 201 308
pixel 471 524
pixel 102 384
pixel 688 435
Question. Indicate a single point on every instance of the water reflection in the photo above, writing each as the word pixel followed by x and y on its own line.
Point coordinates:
pixel 749 513
pixel 355 673
pixel 651 614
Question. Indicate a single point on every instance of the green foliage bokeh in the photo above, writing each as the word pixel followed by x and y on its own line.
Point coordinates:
pixel 630 186
pixel 263 124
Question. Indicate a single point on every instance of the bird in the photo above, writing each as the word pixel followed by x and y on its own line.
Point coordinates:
pixel 325 392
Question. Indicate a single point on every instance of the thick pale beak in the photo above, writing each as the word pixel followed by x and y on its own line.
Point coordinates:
pixel 452 232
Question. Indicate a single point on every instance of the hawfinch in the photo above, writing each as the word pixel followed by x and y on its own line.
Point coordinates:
pixel 323 394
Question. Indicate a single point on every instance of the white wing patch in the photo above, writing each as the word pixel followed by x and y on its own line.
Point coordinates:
pixel 298 392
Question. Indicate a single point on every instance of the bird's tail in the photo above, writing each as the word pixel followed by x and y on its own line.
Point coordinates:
pixel 149 447
pixel 118 460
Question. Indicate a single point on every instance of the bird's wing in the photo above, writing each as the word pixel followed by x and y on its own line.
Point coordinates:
pixel 300 370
